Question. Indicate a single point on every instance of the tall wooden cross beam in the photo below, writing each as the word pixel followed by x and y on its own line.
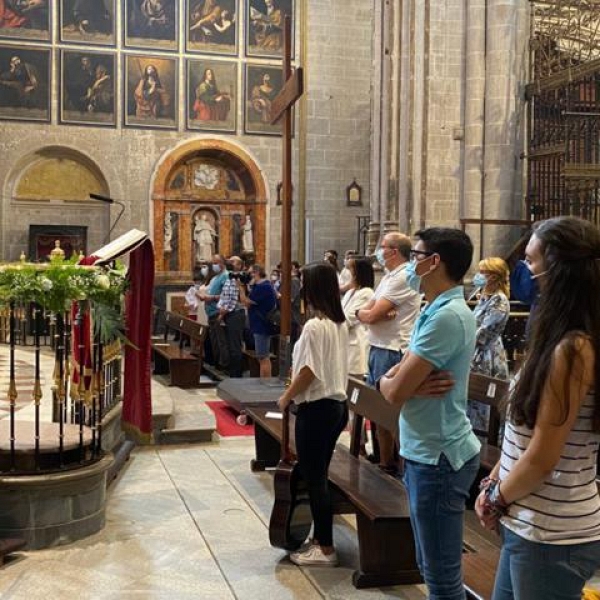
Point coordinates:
pixel 281 108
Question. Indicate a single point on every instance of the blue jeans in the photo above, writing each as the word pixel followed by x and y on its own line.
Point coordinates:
pixel 437 495
pixel 380 362
pixel 530 570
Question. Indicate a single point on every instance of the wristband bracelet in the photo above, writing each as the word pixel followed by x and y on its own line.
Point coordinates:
pixel 494 501
pixel 485 483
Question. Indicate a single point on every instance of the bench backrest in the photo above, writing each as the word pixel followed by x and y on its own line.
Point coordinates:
pixel 367 403
pixel 489 391
pixel 190 328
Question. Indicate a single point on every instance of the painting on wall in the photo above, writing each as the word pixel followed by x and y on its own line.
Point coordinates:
pixel 87 22
pixel 211 95
pixel 264 26
pixel 150 90
pixel 151 24
pixel 25 19
pixel 211 26
pixel 87 88
pixel 24 83
pixel 263 83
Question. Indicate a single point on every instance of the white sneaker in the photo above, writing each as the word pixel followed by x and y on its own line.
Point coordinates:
pixel 314 556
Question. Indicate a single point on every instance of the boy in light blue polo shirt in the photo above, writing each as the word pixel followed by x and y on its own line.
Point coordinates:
pixel 436 438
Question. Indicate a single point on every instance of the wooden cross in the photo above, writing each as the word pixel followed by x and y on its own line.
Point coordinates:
pixel 282 108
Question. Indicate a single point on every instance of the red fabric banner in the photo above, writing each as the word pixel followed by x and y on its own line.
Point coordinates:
pixel 137 399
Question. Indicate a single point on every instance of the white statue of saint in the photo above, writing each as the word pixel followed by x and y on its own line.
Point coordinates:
pixel 247 236
pixel 168 233
pixel 204 236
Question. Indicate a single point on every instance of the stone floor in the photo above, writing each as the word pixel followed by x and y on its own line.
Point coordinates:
pixel 186 522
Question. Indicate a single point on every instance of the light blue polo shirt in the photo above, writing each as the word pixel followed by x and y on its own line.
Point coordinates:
pixel 444 336
pixel 215 287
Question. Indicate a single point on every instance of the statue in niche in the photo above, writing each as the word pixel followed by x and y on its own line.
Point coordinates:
pixel 168 232
pixel 247 236
pixel 236 234
pixel 204 237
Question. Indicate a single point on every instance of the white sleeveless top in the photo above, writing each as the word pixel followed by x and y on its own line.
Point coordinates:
pixel 566 508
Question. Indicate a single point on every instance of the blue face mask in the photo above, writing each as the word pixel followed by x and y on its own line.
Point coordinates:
pixel 216 268
pixel 412 279
pixel 480 280
pixel 379 257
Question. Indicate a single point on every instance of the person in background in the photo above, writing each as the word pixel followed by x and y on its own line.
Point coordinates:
pixel 233 316
pixel 275 278
pixel 344 277
pixel 360 293
pixel 491 315
pixel 259 302
pixel 542 495
pixel 216 333
pixel 191 296
pixel 318 388
pixel 440 450
pixel 331 257
pixel 390 316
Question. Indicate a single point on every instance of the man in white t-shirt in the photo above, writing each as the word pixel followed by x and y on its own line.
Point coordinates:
pixel 390 317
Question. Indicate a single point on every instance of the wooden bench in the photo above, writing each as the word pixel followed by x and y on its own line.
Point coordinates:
pixel 479 566
pixel 183 365
pixel 380 502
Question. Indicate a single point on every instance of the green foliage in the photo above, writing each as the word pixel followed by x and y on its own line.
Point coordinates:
pixel 56 285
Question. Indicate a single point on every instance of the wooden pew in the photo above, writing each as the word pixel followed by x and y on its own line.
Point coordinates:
pixel 479 567
pixel 380 502
pixel 183 365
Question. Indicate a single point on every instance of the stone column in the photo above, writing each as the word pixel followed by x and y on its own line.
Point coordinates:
pixel 506 63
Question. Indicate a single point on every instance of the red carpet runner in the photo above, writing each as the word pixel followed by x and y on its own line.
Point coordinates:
pixel 226 423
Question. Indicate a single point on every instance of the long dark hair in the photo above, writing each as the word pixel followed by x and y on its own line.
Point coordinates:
pixel 321 290
pixel 363 272
pixel 567 309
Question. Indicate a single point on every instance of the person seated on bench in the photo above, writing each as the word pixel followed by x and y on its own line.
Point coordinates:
pixel 440 450
pixel 318 388
pixel 544 487
pixel 259 302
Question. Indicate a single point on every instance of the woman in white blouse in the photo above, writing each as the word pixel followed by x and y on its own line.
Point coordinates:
pixel 318 388
pixel 362 280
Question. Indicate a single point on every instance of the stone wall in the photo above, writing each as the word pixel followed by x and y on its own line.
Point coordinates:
pixel 335 148
pixel 458 115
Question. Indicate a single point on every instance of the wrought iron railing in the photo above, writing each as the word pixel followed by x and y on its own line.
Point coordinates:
pixel 86 385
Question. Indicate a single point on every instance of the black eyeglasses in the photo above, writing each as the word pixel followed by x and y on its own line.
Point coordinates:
pixel 416 253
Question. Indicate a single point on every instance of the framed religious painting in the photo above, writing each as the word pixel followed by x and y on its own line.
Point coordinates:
pixel 87 22
pixel 87 88
pixel 151 24
pixel 150 91
pixel 211 95
pixel 264 27
pixel 25 19
pixel 263 83
pixel 25 83
pixel 212 26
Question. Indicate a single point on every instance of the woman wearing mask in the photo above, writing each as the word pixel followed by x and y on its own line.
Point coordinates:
pixel 491 316
pixel 542 495
pixel 318 388
pixel 360 292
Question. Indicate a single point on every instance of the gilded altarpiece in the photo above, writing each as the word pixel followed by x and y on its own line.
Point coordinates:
pixel 202 207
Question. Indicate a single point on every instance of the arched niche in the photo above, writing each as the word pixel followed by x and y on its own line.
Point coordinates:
pixel 48 188
pixel 212 177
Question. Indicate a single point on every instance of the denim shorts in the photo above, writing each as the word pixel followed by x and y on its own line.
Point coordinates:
pixel 262 345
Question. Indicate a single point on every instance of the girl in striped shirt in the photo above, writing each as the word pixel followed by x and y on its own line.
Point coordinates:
pixel 542 495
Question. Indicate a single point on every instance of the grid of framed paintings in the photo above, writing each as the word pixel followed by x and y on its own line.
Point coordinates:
pixel 216 62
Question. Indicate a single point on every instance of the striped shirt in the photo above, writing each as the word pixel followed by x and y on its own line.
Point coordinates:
pixel 565 509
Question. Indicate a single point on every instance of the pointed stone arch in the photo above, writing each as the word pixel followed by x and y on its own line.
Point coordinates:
pixel 212 175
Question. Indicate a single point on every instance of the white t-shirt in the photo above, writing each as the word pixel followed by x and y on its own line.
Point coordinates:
pixel 395 335
pixel 323 348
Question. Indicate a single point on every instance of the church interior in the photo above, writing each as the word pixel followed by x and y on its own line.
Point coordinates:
pixel 143 137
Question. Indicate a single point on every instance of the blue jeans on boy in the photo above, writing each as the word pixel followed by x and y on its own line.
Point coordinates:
pixel 529 570
pixel 437 495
